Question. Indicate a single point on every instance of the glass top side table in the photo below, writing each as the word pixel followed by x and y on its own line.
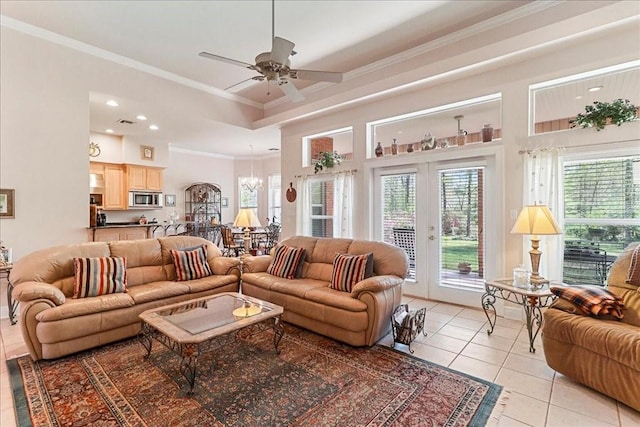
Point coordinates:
pixel 532 301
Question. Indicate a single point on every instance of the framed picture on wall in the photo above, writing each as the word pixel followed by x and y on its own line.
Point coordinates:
pixel 170 200
pixel 146 151
pixel 7 208
pixel 225 202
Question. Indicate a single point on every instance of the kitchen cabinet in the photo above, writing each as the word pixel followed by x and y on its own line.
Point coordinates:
pixel 120 233
pixel 144 178
pixel 115 192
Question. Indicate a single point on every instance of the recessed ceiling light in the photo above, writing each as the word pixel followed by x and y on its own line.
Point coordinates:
pixel 153 127
pixel 141 117
pixel 579 97
pixel 108 130
pixel 112 103
pixel 595 88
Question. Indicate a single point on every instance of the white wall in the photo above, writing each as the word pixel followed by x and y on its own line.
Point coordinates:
pixel 593 51
pixel 44 111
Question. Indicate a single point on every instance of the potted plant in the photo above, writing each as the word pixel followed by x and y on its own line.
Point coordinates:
pixel 327 160
pixel 464 267
pixel 602 113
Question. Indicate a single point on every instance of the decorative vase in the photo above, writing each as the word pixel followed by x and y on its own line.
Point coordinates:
pixel 464 267
pixel 379 151
pixel 428 142
pixel 410 148
pixel 461 139
pixel 394 147
pixel 487 133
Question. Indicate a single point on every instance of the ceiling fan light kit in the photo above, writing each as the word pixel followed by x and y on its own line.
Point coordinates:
pixel 276 66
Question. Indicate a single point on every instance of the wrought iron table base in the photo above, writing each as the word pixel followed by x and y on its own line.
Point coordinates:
pixel 189 352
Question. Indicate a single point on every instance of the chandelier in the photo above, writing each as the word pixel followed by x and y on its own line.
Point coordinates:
pixel 253 183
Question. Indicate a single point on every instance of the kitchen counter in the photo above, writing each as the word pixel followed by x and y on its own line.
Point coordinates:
pixel 132 230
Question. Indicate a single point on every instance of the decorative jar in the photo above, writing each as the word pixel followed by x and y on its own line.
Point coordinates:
pixel 394 147
pixel 521 277
pixel 379 150
pixel 487 133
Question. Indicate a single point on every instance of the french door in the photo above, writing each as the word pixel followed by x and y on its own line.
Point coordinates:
pixel 441 214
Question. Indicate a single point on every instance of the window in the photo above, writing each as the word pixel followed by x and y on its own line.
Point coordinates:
pixel 248 199
pixel 275 199
pixel 321 197
pixel 339 140
pixel 602 215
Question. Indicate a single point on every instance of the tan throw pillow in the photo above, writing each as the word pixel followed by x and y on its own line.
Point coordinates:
pixel 348 270
pixel 287 262
pixel 191 263
pixel 633 275
pixel 99 276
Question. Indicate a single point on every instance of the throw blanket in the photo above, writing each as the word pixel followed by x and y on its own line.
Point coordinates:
pixel 592 300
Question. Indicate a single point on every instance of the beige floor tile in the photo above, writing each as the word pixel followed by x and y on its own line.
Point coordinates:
pixel 509 323
pixel 433 326
pixel 475 367
pixel 585 401
pixel 445 308
pixel 561 417
pixel 522 348
pixel 525 384
pixel 486 354
pixel 473 314
pixel 504 332
pixel 524 364
pixel 457 332
pixel 445 342
pixel 474 325
pixel 434 354
pixel 526 409
pixel 418 303
pixel 510 422
pixel 8 418
pixel 439 317
pixel 493 341
pixel 628 416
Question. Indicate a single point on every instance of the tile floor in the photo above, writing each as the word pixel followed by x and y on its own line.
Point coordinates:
pixel 457 338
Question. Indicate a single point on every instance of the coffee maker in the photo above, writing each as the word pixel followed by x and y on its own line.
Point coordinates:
pixel 101 218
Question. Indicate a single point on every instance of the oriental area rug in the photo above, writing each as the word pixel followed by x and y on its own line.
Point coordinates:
pixel 315 381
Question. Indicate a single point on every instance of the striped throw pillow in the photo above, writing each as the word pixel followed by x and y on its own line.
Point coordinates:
pixel 348 270
pixel 287 262
pixel 633 275
pixel 99 276
pixel 191 263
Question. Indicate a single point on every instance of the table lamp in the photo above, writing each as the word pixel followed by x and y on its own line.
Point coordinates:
pixel 246 218
pixel 536 220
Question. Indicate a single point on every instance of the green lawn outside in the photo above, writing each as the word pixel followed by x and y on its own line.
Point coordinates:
pixel 456 250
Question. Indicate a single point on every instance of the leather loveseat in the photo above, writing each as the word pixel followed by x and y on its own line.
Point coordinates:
pixel 602 353
pixel 360 317
pixel 54 324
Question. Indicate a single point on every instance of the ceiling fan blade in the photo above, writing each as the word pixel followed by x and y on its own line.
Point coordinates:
pixel 257 78
pixel 290 90
pixel 280 50
pixel 319 76
pixel 227 60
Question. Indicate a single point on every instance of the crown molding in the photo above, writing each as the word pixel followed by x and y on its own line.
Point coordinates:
pixel 173 149
pixel 68 42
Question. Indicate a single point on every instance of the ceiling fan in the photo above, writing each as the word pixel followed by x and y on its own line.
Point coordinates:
pixel 275 66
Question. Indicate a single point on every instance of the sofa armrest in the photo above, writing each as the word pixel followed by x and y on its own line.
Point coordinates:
pixel 256 264
pixel 376 284
pixel 224 265
pixel 31 291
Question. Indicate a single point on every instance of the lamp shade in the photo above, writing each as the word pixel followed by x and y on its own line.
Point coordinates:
pixel 536 219
pixel 246 218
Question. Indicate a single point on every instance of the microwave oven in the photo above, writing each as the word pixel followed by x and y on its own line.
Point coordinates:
pixel 145 200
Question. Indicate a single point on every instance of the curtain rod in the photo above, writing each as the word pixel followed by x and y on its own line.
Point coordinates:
pixel 326 173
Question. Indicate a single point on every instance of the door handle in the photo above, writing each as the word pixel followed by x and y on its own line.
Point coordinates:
pixel 432 237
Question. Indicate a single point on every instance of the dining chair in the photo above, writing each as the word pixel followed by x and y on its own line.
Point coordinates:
pixel 230 246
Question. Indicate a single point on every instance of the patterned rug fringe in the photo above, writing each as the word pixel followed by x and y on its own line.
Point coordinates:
pixel 496 414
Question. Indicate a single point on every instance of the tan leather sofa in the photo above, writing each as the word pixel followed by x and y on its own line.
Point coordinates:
pixel 603 354
pixel 358 318
pixel 54 324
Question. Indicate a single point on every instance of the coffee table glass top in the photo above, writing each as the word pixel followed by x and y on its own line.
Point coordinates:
pixel 210 315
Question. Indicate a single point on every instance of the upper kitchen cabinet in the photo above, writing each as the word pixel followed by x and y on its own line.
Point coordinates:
pixel 144 178
pixel 115 192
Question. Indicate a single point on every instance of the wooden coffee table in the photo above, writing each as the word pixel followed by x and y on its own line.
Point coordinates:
pixel 201 325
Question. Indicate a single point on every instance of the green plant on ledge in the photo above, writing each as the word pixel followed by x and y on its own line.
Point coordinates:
pixel 327 160
pixel 602 113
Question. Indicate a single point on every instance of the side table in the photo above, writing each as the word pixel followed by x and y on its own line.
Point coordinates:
pixel 13 305
pixel 532 301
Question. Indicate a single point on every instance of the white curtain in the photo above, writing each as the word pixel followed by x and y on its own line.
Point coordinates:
pixel 343 213
pixel 544 186
pixel 303 207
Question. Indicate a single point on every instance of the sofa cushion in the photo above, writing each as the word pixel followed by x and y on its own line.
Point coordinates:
pixel 592 300
pixel 348 270
pixel 191 263
pixel 633 275
pixel 287 262
pixel 144 260
pixel 85 306
pixel 99 276
pixel 157 290
pixel 209 282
